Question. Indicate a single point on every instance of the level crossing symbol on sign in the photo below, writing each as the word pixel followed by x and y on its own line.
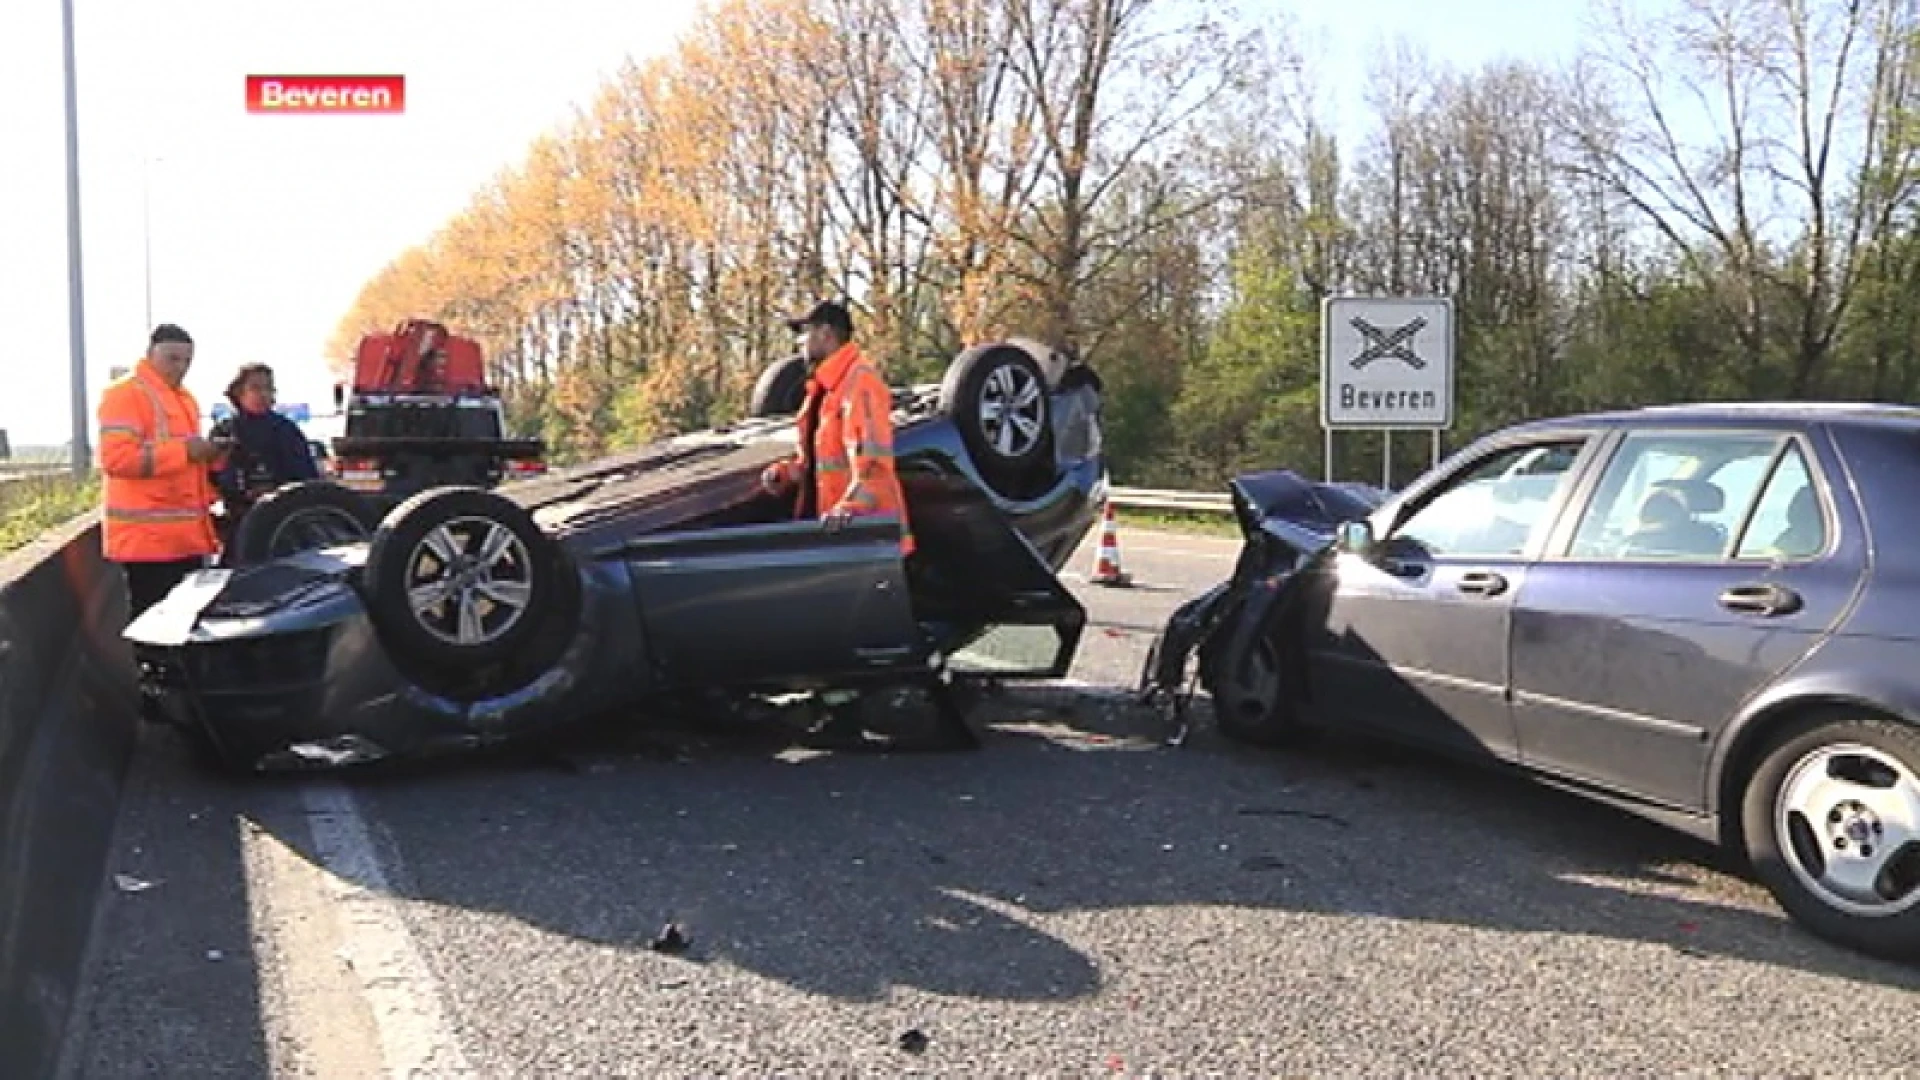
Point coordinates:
pixel 1380 343
pixel 1386 363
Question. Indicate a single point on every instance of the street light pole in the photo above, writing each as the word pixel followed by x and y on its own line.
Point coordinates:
pixel 146 235
pixel 76 305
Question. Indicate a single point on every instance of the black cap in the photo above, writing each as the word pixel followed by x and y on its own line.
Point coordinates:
pixel 169 334
pixel 824 313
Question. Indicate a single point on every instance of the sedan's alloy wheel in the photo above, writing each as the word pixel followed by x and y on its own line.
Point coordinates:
pixel 1848 820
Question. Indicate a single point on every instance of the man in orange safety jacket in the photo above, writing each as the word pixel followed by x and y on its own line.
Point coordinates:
pixel 845 464
pixel 159 492
pixel 845 469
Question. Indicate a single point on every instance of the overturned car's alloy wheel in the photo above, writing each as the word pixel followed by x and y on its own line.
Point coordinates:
pixel 302 516
pixel 459 578
pixel 999 400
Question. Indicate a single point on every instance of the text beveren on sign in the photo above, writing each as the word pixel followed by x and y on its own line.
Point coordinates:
pixel 326 93
pixel 1352 397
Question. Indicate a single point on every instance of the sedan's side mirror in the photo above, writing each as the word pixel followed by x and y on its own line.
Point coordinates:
pixel 1356 537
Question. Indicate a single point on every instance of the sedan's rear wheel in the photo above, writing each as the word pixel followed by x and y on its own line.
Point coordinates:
pixel 1832 823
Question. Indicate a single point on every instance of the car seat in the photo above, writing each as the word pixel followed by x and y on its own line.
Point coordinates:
pixel 1702 497
pixel 1804 535
pixel 1666 527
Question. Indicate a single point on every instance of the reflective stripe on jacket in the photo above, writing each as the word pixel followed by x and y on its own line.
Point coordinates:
pixel 849 411
pixel 157 502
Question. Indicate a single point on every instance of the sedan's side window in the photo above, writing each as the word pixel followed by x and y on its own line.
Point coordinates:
pixel 1674 497
pixel 1495 508
pixel 1788 523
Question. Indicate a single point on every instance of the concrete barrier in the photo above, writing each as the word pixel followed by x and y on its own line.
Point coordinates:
pixel 68 728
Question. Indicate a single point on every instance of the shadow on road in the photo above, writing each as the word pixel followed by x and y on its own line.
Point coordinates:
pixel 849 876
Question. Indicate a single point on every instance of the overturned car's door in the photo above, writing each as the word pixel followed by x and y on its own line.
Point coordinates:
pixel 983 587
pixel 787 603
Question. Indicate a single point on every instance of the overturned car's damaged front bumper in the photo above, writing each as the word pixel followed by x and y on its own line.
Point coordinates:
pixel 279 667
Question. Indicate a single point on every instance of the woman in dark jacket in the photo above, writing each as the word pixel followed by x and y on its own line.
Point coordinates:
pixel 269 449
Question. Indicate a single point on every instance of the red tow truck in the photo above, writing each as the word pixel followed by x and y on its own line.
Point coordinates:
pixel 421 414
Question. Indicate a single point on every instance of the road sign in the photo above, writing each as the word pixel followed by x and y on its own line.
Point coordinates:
pixel 1386 363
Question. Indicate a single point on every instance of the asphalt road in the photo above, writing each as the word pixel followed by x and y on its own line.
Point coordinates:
pixel 1075 900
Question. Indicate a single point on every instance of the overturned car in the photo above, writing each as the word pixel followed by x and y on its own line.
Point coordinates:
pixel 466 618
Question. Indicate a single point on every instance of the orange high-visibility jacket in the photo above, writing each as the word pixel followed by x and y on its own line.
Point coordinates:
pixel 158 503
pixel 849 411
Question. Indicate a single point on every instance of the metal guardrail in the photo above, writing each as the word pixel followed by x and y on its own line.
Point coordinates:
pixel 1166 499
pixel 9 476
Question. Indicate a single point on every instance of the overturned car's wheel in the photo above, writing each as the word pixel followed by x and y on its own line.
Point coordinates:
pixel 1831 819
pixel 782 389
pixel 998 399
pixel 461 582
pixel 302 516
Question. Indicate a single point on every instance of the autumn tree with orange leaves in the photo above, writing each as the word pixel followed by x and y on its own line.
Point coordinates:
pixel 1150 184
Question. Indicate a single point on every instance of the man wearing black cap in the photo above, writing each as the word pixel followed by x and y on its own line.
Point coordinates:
pixel 845 469
pixel 845 464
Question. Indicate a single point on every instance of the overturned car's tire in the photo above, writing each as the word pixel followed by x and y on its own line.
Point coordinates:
pixel 782 389
pixel 998 399
pixel 463 586
pixel 301 516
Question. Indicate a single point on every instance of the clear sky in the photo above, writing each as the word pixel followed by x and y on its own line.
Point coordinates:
pixel 264 228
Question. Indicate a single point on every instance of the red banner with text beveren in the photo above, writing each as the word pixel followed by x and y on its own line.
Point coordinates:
pixel 326 93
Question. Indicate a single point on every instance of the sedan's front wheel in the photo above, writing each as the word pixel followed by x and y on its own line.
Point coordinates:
pixel 1246 678
pixel 1832 825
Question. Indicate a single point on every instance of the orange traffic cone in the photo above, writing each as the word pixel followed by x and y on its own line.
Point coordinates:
pixel 1106 569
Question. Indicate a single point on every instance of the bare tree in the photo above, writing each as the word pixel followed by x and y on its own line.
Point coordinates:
pixel 1114 83
pixel 1790 187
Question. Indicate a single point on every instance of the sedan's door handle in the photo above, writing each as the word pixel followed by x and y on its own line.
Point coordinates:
pixel 1760 600
pixel 1481 583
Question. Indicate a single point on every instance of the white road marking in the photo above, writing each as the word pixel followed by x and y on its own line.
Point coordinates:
pixel 400 989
